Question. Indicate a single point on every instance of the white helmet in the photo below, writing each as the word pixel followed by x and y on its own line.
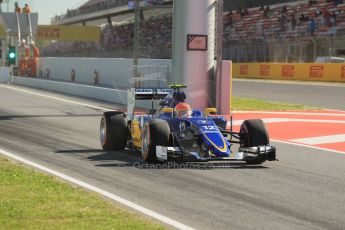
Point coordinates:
pixel 23 41
pixel 32 43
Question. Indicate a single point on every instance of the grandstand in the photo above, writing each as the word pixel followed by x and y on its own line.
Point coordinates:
pixel 256 25
pixel 281 33
pixel 101 9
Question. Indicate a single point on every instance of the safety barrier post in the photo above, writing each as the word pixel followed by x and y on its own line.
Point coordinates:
pixel 73 75
pixel 96 77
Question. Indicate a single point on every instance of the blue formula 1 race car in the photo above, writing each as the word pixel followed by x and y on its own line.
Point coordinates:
pixel 174 131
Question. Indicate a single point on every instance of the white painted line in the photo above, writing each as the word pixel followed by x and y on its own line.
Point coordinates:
pixel 308 146
pixel 293 113
pixel 55 98
pixel 291 82
pixel 321 140
pixel 275 120
pixel 281 120
pixel 118 199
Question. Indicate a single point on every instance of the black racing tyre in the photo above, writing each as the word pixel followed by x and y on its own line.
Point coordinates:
pixel 155 133
pixel 113 131
pixel 253 133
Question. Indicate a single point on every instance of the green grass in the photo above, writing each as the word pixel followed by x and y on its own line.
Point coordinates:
pixel 33 200
pixel 247 104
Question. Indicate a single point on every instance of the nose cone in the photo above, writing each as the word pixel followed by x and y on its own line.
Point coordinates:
pixel 217 142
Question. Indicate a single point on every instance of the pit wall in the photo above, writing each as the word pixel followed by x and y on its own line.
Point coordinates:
pixel 112 72
pixel 4 74
pixel 330 72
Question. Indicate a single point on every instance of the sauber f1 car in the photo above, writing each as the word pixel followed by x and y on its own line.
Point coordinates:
pixel 175 132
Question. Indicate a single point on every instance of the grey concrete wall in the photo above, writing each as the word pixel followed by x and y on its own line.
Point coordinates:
pixel 4 74
pixel 115 96
pixel 100 93
pixel 113 72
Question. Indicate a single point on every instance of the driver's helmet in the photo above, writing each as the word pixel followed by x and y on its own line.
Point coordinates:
pixel 183 109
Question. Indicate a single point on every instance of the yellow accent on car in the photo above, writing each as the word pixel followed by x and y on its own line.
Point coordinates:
pixel 136 134
pixel 210 111
pixel 178 86
pixel 167 110
pixel 224 149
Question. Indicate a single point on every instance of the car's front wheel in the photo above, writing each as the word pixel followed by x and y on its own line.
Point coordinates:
pixel 155 133
pixel 253 133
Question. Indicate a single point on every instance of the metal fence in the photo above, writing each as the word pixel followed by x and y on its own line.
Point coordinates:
pixel 299 50
pixel 147 33
pixel 154 32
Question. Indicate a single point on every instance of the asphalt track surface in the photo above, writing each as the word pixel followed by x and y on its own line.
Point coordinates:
pixel 325 95
pixel 304 190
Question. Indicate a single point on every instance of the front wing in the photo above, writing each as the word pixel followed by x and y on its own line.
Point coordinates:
pixel 268 152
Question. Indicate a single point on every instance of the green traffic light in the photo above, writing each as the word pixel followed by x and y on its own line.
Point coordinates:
pixel 12 55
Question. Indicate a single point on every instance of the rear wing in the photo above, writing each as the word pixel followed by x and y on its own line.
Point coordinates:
pixel 152 94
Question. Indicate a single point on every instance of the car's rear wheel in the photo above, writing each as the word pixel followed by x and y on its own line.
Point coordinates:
pixel 155 133
pixel 113 131
pixel 253 133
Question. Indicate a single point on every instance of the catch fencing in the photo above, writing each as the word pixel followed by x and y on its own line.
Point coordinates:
pixel 298 50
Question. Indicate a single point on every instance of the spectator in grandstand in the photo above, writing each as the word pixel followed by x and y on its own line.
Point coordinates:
pixel 293 21
pixel 260 29
pixel 337 2
pixel 243 12
pixel 311 27
pixel 284 9
pixel 333 19
pixel 312 2
pixel 303 18
pixel 326 15
pixel 17 8
pixel 228 20
pixel 282 23
pixel 318 12
pixel 27 9
pixel 149 2
pixel 333 30
pixel 266 11
pixel 131 4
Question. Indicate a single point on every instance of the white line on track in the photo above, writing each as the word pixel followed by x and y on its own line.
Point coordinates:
pixel 308 146
pixel 294 113
pixel 321 140
pixel 281 120
pixel 55 98
pixel 118 199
